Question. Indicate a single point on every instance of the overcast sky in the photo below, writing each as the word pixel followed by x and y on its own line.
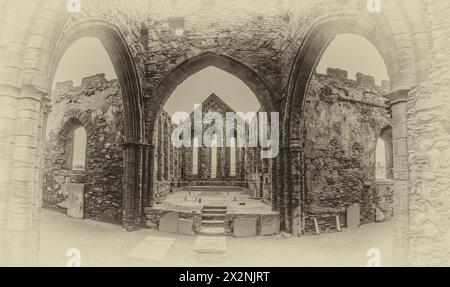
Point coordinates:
pixel 353 53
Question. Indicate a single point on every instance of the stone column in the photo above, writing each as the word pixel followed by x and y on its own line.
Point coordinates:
pixel 168 155
pixel 220 170
pixel 281 183
pixel 132 199
pixel 285 201
pixel 45 111
pixel 161 168
pixel 22 112
pixel 296 182
pixel 147 180
pixel 398 106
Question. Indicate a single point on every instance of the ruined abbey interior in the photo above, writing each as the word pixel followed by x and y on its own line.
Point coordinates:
pixel 353 151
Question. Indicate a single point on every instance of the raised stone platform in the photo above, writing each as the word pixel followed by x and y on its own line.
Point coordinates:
pixel 243 216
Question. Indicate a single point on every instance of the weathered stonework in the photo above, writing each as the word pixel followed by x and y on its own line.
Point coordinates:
pixel 343 120
pixel 223 170
pixel 259 41
pixel 426 117
pixel 97 106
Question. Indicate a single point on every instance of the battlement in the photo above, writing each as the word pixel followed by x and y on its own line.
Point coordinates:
pixel 97 81
pixel 362 79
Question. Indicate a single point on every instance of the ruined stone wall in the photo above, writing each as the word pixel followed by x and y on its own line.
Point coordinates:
pixel 258 174
pixel 343 120
pixel 250 32
pixel 97 106
pixel 213 104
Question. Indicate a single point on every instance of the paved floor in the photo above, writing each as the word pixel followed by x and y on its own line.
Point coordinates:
pixel 251 206
pixel 104 244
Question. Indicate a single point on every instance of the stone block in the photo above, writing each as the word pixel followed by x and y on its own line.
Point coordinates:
pixel 270 224
pixel 337 73
pixel 169 223
pixel 244 227
pixel 75 201
pixel 365 79
pixel 152 248
pixel 210 244
pixel 353 216
pixel 185 226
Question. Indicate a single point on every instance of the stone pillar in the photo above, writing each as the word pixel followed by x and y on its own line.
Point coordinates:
pixel 285 210
pixel 45 111
pixel 22 118
pixel 161 168
pixel 167 153
pixel 296 182
pixel 147 180
pixel 132 199
pixel 398 107
pixel 281 183
pixel 220 163
pixel 274 170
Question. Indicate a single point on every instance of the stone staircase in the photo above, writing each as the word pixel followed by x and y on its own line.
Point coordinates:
pixel 213 220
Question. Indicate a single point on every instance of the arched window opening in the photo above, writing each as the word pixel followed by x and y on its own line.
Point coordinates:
pixel 380 161
pixel 79 149
pixel 384 160
pixel 233 157
pixel 214 156
pixel 195 157
pixel 353 54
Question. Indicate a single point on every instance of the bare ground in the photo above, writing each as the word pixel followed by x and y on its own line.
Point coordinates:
pixel 103 244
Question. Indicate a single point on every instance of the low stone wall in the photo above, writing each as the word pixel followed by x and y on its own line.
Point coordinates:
pixel 154 215
pixel 162 189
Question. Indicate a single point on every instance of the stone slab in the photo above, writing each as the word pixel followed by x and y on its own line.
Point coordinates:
pixel 158 239
pixel 185 226
pixel 75 200
pixel 169 223
pixel 270 224
pixel 244 227
pixel 353 216
pixel 152 249
pixel 210 244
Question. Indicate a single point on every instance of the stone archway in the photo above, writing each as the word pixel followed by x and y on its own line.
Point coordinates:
pixel 25 89
pixel 134 148
pixel 400 59
pixel 196 64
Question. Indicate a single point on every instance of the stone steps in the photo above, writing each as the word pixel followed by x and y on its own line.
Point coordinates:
pixel 209 207
pixel 213 220
pixel 212 231
pixel 212 223
pixel 213 217
pixel 213 211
